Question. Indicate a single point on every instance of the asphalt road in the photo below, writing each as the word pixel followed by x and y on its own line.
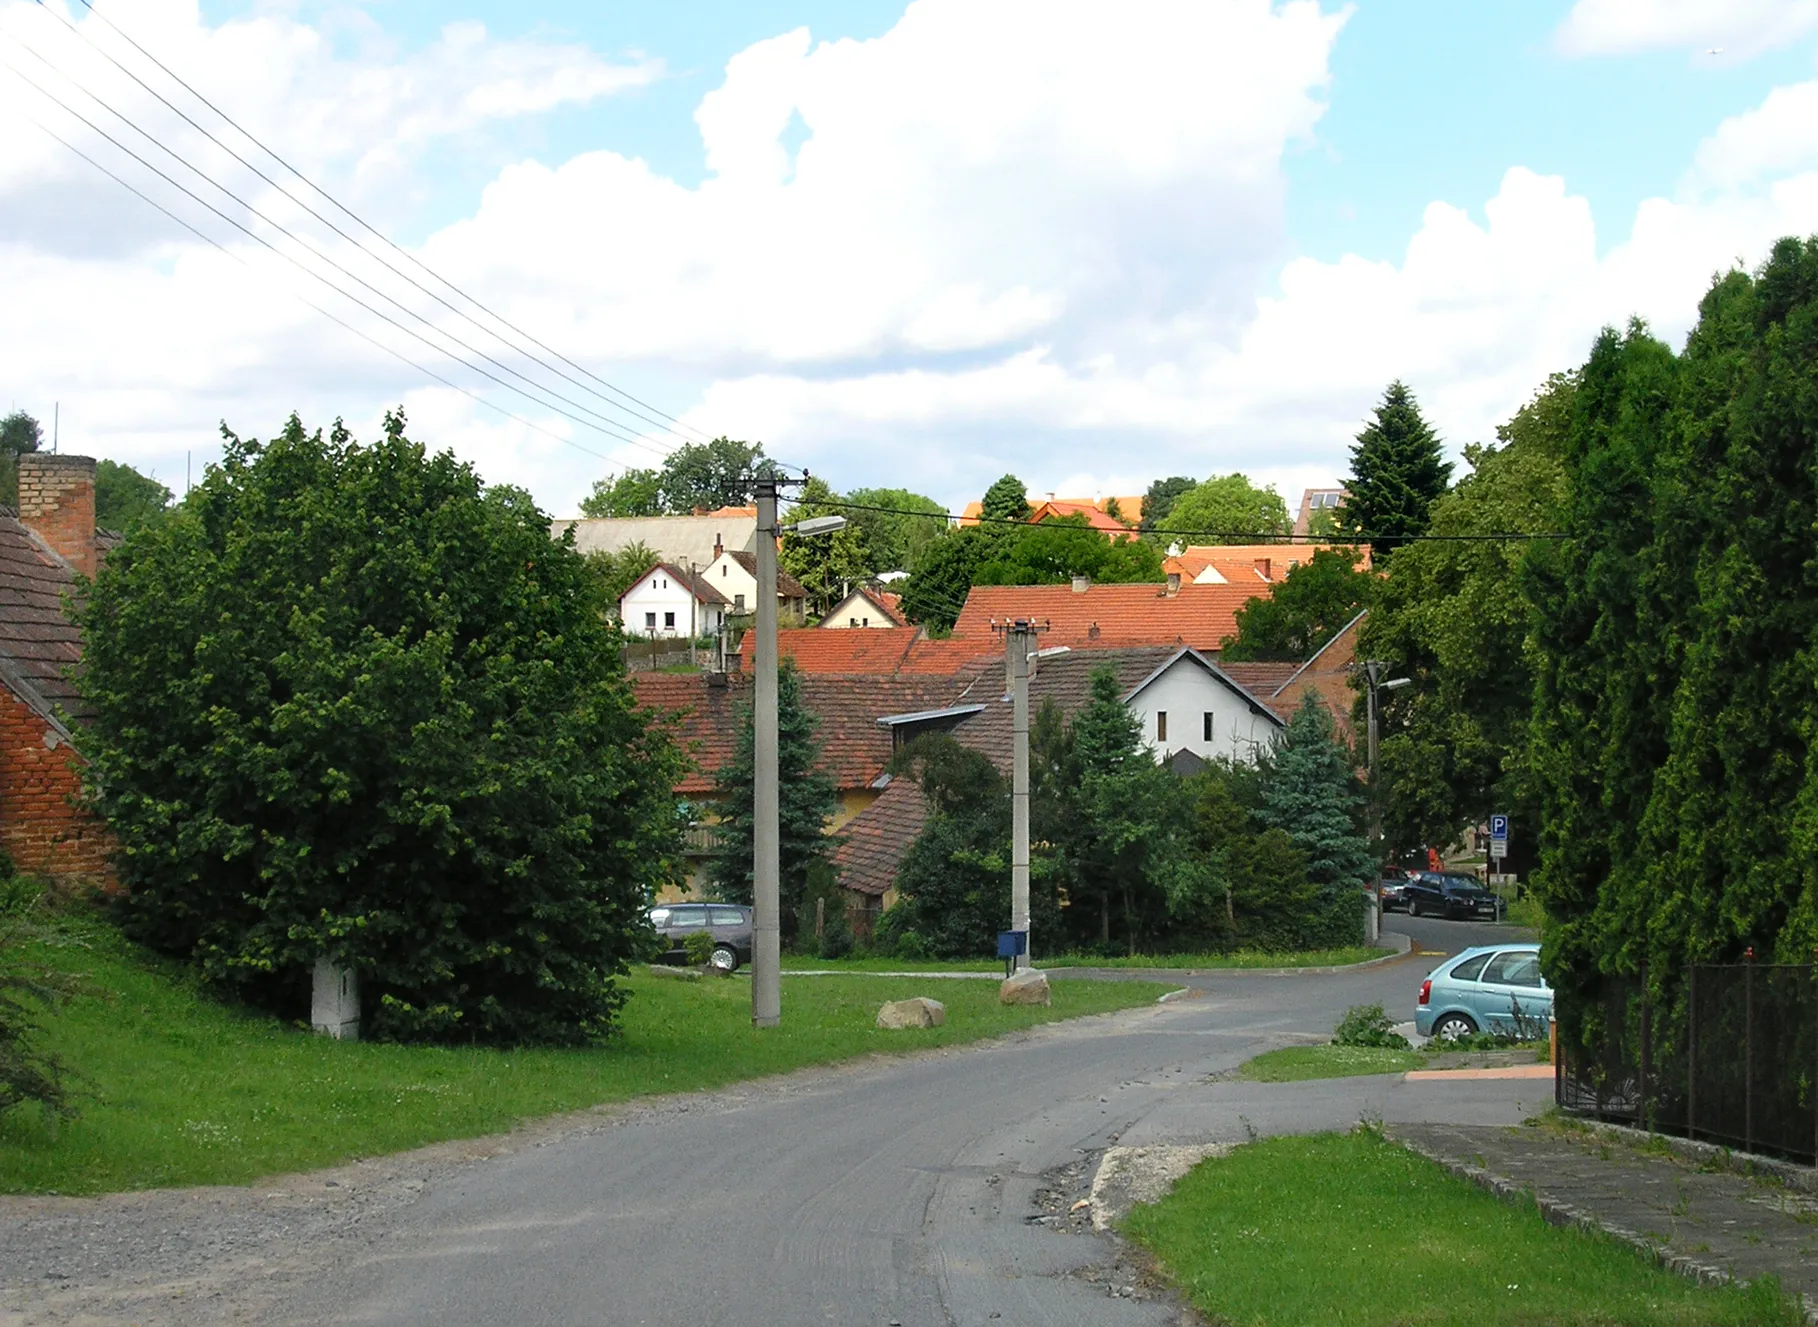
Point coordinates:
pixel 898 1192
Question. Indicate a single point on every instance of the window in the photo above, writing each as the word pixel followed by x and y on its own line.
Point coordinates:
pixel 725 917
pixel 1519 968
pixel 738 603
pixel 1161 725
pixel 649 622
pixel 669 621
pixel 1207 723
pixel 1470 969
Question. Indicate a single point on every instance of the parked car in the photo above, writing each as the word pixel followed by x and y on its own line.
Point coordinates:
pixel 729 923
pixel 1394 895
pixel 1493 988
pixel 1437 894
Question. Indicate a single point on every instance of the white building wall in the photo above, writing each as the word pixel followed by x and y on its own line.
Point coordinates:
pixel 1186 692
pixel 658 606
pixel 726 575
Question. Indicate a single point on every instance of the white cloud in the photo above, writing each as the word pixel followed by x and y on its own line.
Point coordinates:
pixel 1739 27
pixel 1016 236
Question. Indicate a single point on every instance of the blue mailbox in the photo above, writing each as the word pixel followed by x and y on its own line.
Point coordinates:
pixel 1012 944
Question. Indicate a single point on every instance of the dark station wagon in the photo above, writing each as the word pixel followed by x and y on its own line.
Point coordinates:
pixel 729 923
pixel 1434 894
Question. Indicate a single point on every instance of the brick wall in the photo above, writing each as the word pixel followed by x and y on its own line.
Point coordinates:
pixel 57 501
pixel 1330 678
pixel 41 828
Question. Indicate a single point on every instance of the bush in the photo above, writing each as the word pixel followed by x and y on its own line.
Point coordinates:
pixel 1368 1025
pixel 697 947
pixel 28 1072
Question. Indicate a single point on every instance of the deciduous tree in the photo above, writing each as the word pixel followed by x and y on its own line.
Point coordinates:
pixel 1317 600
pixel 347 702
pixel 1228 509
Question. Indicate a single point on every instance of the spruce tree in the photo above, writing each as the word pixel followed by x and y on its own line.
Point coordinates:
pixel 1006 500
pixel 1397 472
pixel 1310 793
pixel 806 801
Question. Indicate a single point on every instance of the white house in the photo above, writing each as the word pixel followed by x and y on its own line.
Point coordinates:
pixel 666 601
pixel 1189 705
pixel 733 575
pixel 866 607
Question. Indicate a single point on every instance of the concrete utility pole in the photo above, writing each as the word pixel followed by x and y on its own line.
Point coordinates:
pixel 766 866
pixel 766 863
pixel 1017 638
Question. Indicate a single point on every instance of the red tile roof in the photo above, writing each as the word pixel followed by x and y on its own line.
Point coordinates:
pixel 710 711
pixel 38 643
pixel 874 650
pixel 1095 516
pixel 1106 615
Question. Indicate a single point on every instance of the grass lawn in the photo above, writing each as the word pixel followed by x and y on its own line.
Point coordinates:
pixel 1243 958
pixel 183 1090
pixel 1294 1064
pixel 1352 1230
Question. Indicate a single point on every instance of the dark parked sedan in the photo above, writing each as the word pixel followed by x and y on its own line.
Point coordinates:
pixel 729 923
pixel 1434 894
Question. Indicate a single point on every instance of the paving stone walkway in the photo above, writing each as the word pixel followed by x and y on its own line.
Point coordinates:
pixel 1704 1221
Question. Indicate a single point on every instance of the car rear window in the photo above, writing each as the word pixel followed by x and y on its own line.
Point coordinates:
pixel 689 914
pixel 1469 970
pixel 726 917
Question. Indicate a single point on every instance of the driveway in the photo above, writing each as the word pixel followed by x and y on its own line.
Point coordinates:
pixel 895 1191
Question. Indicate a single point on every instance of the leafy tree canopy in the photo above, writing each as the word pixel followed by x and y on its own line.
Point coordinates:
pixel 1316 601
pixel 894 542
pixel 826 564
pixel 1397 473
pixel 20 433
pixel 633 493
pixel 126 499
pixel 619 571
pixel 346 702
pixel 1228 509
pixel 1158 502
pixel 1061 547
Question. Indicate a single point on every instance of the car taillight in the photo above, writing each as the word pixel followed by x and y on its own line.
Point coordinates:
pixel 1426 990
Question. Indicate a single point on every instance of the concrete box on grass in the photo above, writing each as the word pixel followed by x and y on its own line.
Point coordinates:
pixel 335 1008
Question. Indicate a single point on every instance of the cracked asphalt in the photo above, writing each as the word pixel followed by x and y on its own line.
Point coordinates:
pixel 932 1189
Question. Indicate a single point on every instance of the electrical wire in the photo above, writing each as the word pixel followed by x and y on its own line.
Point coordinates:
pixel 210 240
pixel 672 424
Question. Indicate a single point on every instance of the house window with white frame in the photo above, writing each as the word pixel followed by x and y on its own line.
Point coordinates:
pixel 669 621
pixel 650 624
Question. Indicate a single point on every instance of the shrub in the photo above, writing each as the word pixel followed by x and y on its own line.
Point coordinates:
pixel 697 947
pixel 1367 1025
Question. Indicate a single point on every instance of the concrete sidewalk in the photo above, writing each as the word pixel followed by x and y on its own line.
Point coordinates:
pixel 1695 1217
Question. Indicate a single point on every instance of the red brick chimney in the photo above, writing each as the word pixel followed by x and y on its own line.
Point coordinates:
pixel 57 503
pixel 1173 584
pixel 1262 568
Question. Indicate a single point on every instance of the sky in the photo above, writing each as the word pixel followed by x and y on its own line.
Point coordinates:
pixel 919 246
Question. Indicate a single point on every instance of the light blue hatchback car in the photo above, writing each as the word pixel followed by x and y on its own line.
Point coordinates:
pixel 1494 988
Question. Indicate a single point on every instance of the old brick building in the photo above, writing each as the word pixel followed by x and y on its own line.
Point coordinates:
pixel 51 537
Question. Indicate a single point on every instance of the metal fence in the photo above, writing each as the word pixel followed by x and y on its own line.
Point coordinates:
pixel 1730 1056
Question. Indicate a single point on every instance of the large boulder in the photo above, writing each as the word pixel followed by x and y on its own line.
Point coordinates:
pixel 1026 987
pixel 919 1012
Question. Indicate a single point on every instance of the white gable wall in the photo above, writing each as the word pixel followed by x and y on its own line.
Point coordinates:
pixel 730 578
pixel 1186 692
pixel 658 606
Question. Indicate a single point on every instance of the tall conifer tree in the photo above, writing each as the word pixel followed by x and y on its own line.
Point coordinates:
pixel 1397 472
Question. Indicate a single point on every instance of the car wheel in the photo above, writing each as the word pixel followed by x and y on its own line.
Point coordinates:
pixel 1415 910
pixel 1450 1027
pixel 725 958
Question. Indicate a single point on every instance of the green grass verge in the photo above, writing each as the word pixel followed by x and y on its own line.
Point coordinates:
pixel 1243 958
pixel 1349 1229
pixel 1295 1064
pixel 183 1090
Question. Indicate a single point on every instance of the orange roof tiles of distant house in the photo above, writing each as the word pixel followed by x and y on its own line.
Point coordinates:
pixel 877 651
pixel 1095 510
pixel 726 511
pixel 1064 508
pixel 1246 563
pixel 1105 615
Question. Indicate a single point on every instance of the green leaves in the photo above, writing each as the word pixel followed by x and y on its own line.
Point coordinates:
pixel 1226 509
pixel 348 702
pixel 1397 472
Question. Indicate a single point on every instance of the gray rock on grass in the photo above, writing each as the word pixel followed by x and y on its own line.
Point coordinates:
pixel 917 1012
pixel 1026 987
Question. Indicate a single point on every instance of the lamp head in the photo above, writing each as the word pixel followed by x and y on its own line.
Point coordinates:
pixel 817 525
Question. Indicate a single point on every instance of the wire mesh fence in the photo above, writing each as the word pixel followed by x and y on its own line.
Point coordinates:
pixel 1728 1053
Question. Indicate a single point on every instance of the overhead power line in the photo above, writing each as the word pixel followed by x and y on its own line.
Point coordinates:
pixel 210 240
pixel 669 423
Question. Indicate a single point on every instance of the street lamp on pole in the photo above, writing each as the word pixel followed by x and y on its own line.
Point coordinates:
pixel 1374 680
pixel 766 864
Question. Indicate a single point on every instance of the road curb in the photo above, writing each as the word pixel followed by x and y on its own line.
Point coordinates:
pixel 1564 1214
